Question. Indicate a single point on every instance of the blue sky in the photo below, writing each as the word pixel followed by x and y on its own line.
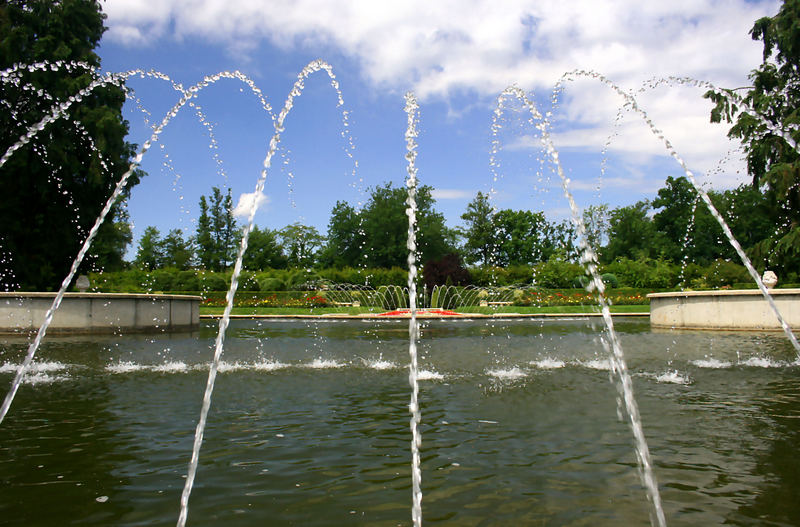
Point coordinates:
pixel 457 57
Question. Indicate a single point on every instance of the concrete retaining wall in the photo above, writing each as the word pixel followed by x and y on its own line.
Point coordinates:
pixel 724 309
pixel 99 312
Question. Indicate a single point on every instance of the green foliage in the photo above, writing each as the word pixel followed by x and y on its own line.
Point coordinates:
pixel 263 251
pixel 557 273
pixel 596 222
pixel 55 187
pixel 111 241
pixel 643 272
pixel 210 281
pixel 301 243
pixel 272 283
pixel 610 280
pixel 176 251
pixel 479 233
pixel 631 234
pixel 724 273
pixel 345 238
pixel 156 253
pixel 217 234
pixel 522 237
pixel 149 255
pixel 378 236
pixel 689 229
pixel 512 237
pixel 772 161
pixel 248 282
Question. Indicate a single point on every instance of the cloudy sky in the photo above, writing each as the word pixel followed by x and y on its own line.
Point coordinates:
pixel 456 56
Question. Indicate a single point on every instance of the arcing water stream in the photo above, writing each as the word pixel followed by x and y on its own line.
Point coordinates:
pixel 587 255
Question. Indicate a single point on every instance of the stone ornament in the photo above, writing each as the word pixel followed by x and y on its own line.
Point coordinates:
pixel 82 283
pixel 770 279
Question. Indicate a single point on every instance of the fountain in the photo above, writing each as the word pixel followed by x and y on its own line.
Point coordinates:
pixel 471 399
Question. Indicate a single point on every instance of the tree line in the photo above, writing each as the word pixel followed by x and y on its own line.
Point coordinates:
pixel 675 228
pixel 55 185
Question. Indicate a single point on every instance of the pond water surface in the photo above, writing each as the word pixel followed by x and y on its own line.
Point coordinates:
pixel 309 426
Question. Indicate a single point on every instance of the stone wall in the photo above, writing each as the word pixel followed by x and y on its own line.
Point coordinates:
pixel 724 309
pixel 99 312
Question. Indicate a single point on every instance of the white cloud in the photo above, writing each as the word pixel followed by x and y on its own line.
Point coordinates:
pixel 242 209
pixel 438 47
pixel 480 47
pixel 451 193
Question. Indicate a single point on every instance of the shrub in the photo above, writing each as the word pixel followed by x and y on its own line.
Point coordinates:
pixel 248 282
pixel 272 284
pixel 724 273
pixel 186 281
pixel 610 280
pixel 210 281
pixel 643 272
pixel 557 274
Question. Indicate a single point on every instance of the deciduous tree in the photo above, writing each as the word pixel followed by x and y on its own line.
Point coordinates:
pixel 301 243
pixel 772 161
pixel 264 251
pixel 177 251
pixel 378 235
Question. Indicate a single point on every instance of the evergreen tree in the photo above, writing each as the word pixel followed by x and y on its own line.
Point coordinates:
pixel 177 252
pixel 479 233
pixel 55 187
pixel 217 233
pixel 150 254
pixel 206 250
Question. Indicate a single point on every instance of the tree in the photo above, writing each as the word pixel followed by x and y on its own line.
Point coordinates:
pixel 378 236
pixel 176 251
pixel 752 220
pixel 772 161
pixel 688 228
pixel 447 270
pixel 521 237
pixel 264 251
pixel 524 237
pixel 346 238
pixel 595 219
pixel 111 241
pixel 479 233
pixel 301 243
pixel 55 187
pixel 149 255
pixel 217 237
pixel 631 234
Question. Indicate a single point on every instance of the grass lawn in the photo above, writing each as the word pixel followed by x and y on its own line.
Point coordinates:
pixel 473 309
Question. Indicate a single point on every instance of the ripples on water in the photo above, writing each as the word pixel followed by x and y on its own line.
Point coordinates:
pixel 519 426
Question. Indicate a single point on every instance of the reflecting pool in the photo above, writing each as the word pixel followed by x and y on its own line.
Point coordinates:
pixel 309 426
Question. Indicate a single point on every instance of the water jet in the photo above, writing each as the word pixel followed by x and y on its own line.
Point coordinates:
pixel 522 435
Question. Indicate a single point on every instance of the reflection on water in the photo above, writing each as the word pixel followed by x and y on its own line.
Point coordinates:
pixel 309 426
